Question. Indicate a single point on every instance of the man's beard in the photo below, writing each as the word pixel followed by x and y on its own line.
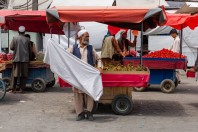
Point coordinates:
pixel 85 42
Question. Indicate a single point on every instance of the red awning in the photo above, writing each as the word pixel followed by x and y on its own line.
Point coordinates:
pixel 101 14
pixel 34 21
pixel 180 21
pixel 123 17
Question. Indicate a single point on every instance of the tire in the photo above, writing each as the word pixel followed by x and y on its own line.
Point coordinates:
pixel 7 82
pixel 167 86
pixel 2 90
pixel 122 105
pixel 38 85
pixel 51 84
pixel 139 89
pixel 95 107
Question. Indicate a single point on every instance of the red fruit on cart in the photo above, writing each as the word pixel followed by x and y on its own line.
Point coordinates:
pixel 9 56
pixel 3 56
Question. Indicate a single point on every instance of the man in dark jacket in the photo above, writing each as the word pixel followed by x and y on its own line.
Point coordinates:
pixel 21 50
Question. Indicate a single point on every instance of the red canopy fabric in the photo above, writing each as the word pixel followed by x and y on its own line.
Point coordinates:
pixel 122 17
pixel 180 21
pixel 101 14
pixel 34 21
pixel 177 21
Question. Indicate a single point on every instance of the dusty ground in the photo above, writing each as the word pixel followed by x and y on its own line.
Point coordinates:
pixel 52 111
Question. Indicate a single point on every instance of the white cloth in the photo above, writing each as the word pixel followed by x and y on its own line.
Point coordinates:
pixel 70 31
pixel 176 45
pixel 81 32
pixel 74 71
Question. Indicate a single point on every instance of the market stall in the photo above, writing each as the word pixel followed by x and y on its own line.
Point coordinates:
pixel 117 85
pixel 40 75
pixel 162 65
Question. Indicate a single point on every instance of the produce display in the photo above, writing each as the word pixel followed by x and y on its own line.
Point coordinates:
pixel 3 56
pixel 40 56
pixel 9 56
pixel 6 57
pixel 164 53
pixel 117 66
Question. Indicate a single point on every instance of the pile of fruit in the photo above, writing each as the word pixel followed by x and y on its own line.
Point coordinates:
pixel 164 53
pixel 117 66
pixel 3 57
pixel 1 61
pixel 6 57
pixel 9 56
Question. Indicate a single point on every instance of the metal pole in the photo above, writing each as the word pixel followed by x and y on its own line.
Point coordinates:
pixel 59 38
pixel 141 43
pixel 181 40
pixel 0 40
pixel 27 4
pixel 130 35
pixel 8 41
pixel 68 33
pixel 34 4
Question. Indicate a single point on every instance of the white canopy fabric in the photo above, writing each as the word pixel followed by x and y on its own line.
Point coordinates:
pixel 81 3
pixel 189 7
pixel 73 70
pixel 141 3
pixel 22 4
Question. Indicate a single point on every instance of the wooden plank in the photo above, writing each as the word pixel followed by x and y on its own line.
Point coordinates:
pixel 110 92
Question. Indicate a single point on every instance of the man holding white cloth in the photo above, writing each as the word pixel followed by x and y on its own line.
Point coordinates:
pixel 86 53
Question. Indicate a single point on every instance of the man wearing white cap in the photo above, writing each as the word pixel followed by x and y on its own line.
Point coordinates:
pixel 84 103
pixel 21 51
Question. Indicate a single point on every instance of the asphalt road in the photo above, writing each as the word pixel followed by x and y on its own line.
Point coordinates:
pixel 52 111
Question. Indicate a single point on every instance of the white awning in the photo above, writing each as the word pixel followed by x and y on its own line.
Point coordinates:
pixel 141 3
pixel 81 3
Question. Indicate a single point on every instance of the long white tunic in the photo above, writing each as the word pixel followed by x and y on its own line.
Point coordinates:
pixel 176 45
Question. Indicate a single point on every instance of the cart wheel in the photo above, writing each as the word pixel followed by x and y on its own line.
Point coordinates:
pixel 2 89
pixel 7 82
pixel 38 85
pixel 139 89
pixel 51 84
pixel 122 105
pixel 167 86
pixel 95 107
pixel 176 82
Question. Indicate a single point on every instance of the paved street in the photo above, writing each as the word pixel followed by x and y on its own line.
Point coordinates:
pixel 52 111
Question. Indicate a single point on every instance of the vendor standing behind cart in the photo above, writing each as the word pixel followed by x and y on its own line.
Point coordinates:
pixel 125 44
pixel 83 102
pixel 175 47
pixel 110 49
pixel 21 50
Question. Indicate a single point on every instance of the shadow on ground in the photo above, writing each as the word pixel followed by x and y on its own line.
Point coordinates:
pixel 149 108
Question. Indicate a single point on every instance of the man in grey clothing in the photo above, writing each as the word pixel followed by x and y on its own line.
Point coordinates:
pixel 21 50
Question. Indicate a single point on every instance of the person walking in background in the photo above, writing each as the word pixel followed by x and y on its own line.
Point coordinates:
pixel 175 47
pixel 21 51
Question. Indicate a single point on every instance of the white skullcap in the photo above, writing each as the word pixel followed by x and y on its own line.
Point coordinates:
pixel 81 32
pixel 21 29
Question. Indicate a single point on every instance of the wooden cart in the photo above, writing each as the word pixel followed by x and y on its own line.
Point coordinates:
pixel 118 89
